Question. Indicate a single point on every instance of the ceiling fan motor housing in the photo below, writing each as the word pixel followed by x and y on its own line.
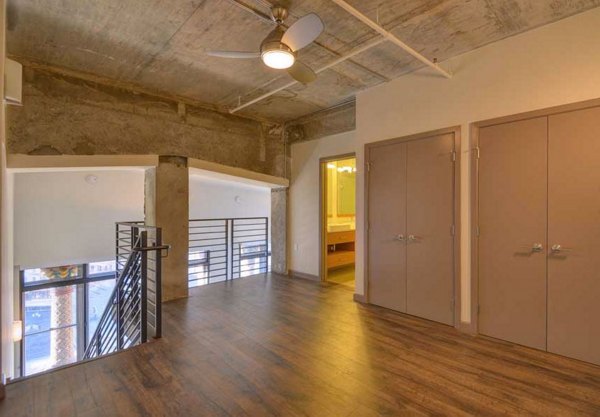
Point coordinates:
pixel 273 42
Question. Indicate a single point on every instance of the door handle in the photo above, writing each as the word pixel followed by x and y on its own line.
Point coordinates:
pixel 399 238
pixel 537 247
pixel 557 248
pixel 412 238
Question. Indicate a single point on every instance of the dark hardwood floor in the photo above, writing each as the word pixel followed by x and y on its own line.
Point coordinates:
pixel 271 345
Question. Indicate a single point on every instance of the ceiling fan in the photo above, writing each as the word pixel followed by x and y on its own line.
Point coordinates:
pixel 280 48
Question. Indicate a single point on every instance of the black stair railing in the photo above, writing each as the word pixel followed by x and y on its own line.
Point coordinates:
pixel 133 312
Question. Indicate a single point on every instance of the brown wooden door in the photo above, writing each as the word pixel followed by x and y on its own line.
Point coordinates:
pixel 387 226
pixel 430 218
pixel 574 223
pixel 512 196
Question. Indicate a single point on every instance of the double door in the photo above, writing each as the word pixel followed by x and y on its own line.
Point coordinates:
pixel 411 226
pixel 539 243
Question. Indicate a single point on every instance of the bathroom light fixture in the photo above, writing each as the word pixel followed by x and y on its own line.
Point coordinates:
pixel 17 331
pixel 331 166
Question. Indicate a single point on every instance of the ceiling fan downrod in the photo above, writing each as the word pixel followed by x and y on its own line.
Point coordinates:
pixel 279 14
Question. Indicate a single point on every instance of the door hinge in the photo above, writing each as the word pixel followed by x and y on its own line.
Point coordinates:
pixel 477 231
pixel 476 151
pixel 452 230
pixel 453 156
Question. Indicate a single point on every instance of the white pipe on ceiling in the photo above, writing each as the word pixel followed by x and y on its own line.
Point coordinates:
pixel 386 36
pixel 390 37
pixel 331 64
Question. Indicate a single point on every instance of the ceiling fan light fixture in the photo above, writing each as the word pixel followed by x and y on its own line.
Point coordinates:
pixel 277 55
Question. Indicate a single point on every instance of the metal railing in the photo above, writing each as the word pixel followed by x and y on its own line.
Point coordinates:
pixel 134 310
pixel 224 249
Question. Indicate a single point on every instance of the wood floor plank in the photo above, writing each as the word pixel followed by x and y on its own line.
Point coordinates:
pixel 274 346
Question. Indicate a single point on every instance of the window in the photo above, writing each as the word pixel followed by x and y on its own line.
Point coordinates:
pixel 253 259
pixel 106 268
pixel 54 274
pixel 198 268
pixel 98 295
pixel 50 328
pixel 61 308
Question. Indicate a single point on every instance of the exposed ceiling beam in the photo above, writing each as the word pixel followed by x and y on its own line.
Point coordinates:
pixel 251 10
pixel 326 67
pixel 390 37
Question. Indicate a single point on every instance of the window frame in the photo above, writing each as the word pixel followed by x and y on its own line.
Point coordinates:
pixel 81 284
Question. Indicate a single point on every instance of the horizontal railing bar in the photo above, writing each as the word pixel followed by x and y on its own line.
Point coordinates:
pixel 210 246
pixel 202 252
pixel 238 236
pixel 199 235
pixel 257 268
pixel 206 239
pixel 260 262
pixel 206 226
pixel 253 270
pixel 260 229
pixel 221 219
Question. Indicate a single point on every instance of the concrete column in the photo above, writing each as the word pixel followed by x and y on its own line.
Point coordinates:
pixel 166 191
pixel 279 245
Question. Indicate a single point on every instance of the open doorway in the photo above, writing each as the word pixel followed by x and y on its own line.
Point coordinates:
pixel 338 219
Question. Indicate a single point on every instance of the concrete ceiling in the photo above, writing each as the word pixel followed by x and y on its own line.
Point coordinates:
pixel 160 44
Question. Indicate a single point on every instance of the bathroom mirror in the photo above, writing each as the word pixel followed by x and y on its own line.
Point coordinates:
pixel 346 187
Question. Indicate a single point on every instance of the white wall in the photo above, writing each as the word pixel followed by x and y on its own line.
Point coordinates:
pixel 304 198
pixel 59 218
pixel 215 198
pixel 6 276
pixel 552 65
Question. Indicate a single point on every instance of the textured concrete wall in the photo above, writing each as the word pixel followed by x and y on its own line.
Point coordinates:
pixel 279 199
pixel 166 206
pixel 67 115
pixel 339 119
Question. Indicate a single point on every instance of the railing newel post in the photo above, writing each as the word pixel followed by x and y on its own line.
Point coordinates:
pixel 144 288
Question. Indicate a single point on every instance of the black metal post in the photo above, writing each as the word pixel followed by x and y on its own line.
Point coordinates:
pixel 158 286
pixel 144 289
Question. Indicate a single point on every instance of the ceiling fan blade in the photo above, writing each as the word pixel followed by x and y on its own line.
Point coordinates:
pixel 302 73
pixel 304 31
pixel 233 54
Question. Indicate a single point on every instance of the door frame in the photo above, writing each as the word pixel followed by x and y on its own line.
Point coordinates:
pixel 456 130
pixel 323 209
pixel 473 327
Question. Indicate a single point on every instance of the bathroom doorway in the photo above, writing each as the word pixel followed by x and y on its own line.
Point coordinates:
pixel 338 219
